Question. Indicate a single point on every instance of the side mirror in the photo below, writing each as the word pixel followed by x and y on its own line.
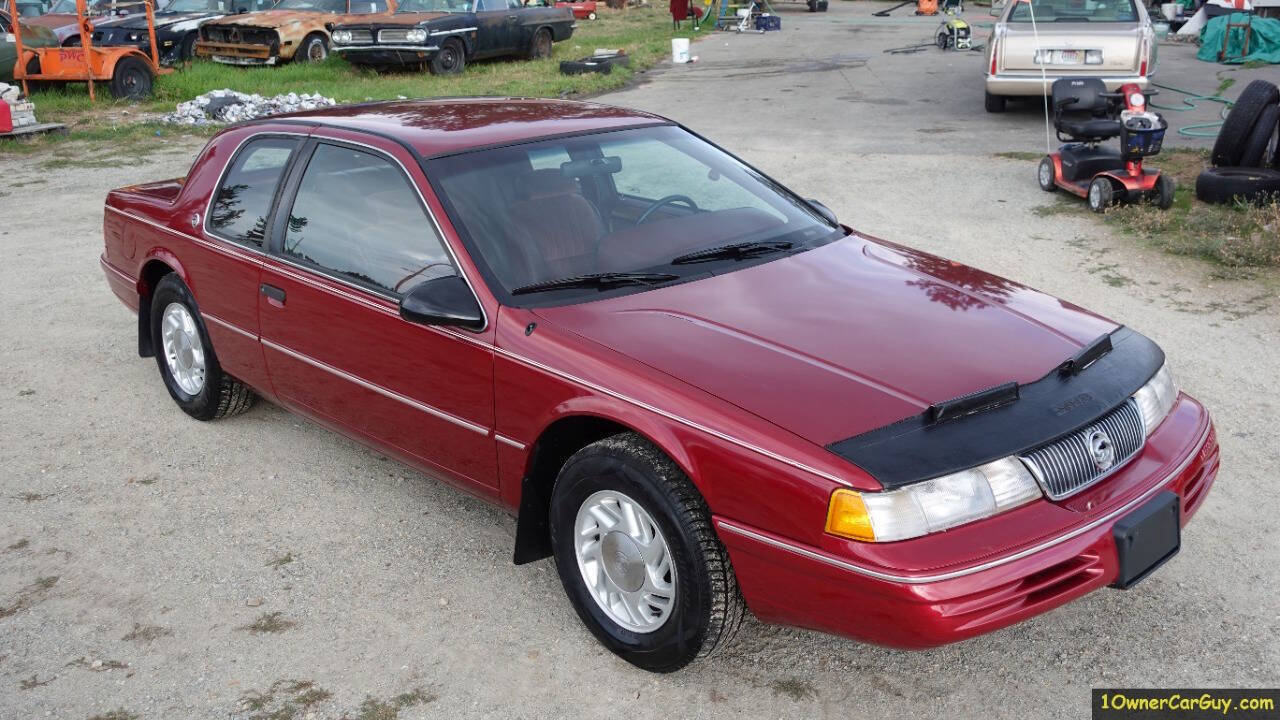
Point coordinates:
pixel 824 211
pixel 997 9
pixel 442 301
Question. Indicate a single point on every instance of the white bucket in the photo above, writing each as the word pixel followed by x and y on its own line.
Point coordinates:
pixel 1169 10
pixel 679 50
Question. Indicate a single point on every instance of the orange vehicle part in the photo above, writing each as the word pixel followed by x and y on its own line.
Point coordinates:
pixel 926 7
pixel 127 69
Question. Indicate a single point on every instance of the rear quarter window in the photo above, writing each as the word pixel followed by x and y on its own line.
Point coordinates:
pixel 240 206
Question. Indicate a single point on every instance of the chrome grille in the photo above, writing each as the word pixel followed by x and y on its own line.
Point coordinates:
pixel 392 36
pixel 1066 466
pixel 361 37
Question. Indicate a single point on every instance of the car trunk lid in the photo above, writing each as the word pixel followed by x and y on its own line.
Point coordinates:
pixel 1120 44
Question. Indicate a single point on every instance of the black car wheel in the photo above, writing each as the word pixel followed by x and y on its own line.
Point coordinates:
pixel 187 51
pixel 1239 123
pixel 450 59
pixel 994 103
pixel 638 557
pixel 186 359
pixel 1231 185
pixel 540 46
pixel 131 79
pixel 315 48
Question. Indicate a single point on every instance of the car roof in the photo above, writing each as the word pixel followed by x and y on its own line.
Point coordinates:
pixel 447 126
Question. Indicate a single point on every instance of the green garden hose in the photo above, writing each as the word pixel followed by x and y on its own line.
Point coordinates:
pixel 1199 129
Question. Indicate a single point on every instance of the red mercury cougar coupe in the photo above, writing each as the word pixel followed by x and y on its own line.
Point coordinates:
pixel 699 392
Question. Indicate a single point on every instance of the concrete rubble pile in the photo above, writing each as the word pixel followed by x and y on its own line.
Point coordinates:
pixel 229 106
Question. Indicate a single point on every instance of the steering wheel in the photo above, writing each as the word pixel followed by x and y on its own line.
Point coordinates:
pixel 665 201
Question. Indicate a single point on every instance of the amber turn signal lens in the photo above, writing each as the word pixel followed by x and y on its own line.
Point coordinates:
pixel 847 516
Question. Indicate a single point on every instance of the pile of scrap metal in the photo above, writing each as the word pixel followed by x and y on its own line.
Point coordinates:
pixel 228 106
pixel 1245 156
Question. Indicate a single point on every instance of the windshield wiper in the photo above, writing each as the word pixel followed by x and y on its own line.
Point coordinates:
pixel 736 251
pixel 597 280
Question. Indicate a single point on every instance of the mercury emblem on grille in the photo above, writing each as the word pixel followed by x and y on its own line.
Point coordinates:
pixel 1102 449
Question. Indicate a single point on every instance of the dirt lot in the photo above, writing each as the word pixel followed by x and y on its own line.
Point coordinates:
pixel 165 568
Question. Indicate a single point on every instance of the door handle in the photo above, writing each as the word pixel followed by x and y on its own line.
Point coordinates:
pixel 512 17
pixel 275 295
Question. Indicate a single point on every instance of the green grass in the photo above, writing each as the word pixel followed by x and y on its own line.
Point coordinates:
pixel 644 33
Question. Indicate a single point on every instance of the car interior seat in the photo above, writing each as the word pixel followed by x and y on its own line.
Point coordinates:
pixel 563 227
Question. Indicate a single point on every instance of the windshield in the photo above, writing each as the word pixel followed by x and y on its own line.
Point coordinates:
pixel 1074 11
pixel 645 202
pixel 329 6
pixel 417 6
pixel 68 7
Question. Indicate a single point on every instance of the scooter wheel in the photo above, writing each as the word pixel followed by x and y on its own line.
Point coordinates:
pixel 1101 194
pixel 1164 192
pixel 1045 175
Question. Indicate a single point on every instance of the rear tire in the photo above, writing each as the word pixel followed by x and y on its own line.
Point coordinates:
pixel 1046 175
pixel 131 79
pixel 188 50
pixel 188 365
pixel 1164 192
pixel 450 59
pixel 669 561
pixel 994 103
pixel 314 48
pixel 540 45
pixel 1101 194
pixel 591 16
pixel 1235 129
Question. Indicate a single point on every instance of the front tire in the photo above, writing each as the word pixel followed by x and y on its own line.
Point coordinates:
pixel 540 45
pixel 450 59
pixel 186 359
pixel 638 557
pixel 994 103
pixel 314 48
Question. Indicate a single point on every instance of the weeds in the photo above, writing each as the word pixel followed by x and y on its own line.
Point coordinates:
pixel 281 560
pixel 146 633
pixel 272 622
pixel 120 714
pixel 375 709
pixel 283 699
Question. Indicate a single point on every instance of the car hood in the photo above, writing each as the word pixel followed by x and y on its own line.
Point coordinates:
pixel 841 339
pixel 138 21
pixel 278 18
pixel 400 19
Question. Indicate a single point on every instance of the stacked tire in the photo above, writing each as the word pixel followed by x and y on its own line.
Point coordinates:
pixel 1246 155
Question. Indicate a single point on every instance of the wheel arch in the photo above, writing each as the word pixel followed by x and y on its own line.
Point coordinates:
pixel 556 443
pixel 155 267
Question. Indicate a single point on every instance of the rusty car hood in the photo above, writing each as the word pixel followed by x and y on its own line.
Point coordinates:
pixel 841 339
pixel 280 18
pixel 398 19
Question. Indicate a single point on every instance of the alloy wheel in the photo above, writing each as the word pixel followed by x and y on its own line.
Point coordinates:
pixel 183 350
pixel 625 561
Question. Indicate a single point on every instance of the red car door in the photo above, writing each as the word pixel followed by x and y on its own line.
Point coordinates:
pixel 351 235
pixel 222 272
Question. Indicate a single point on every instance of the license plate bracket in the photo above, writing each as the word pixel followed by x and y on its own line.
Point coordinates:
pixel 1070 57
pixel 1146 538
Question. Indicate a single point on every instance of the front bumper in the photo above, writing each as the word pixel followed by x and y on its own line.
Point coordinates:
pixel 1031 84
pixel 792 584
pixel 236 53
pixel 386 54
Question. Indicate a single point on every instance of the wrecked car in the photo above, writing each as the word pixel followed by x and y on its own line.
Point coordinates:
pixel 292 30
pixel 177 26
pixel 61 18
pixel 698 392
pixel 444 35
pixel 32 36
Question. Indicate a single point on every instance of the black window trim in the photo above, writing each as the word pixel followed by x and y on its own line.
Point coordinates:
pixel 300 140
pixel 284 203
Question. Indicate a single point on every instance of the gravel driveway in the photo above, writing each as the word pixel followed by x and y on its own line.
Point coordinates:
pixel 166 568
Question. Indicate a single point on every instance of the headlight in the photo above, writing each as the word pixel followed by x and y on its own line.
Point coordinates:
pixel 134 37
pixel 1092 57
pixel 341 37
pixel 932 505
pixel 1156 398
pixel 416 35
pixel 1137 100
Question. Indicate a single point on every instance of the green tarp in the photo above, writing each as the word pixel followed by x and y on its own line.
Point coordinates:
pixel 1263 33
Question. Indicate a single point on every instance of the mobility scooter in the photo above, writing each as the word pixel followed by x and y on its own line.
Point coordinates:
pixel 1085 114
